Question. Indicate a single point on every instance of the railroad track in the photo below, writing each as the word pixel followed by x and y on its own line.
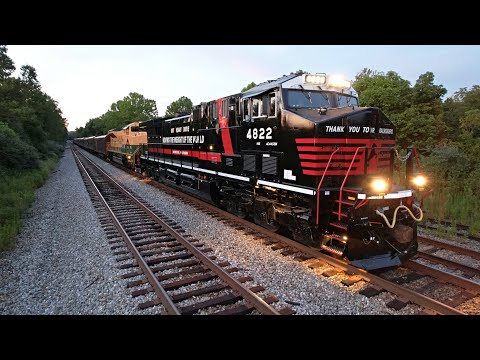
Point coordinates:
pixel 397 282
pixel 447 226
pixel 433 246
pixel 165 262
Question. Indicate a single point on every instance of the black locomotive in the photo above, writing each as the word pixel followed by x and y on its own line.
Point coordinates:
pixel 297 154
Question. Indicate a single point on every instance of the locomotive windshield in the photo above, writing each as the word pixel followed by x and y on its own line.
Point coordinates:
pixel 344 100
pixel 307 99
pixel 317 99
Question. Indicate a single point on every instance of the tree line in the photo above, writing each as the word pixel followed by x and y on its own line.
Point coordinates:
pixel 133 107
pixel 446 132
pixel 32 127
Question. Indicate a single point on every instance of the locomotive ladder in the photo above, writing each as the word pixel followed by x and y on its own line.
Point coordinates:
pixel 342 188
pixel 342 203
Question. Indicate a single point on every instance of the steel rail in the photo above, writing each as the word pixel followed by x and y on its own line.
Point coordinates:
pixel 458 249
pixel 443 276
pixel 167 302
pixel 448 263
pixel 249 296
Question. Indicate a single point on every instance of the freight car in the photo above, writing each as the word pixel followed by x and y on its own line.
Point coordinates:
pixel 298 155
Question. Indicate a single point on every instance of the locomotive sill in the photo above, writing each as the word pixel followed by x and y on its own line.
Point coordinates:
pixel 398 195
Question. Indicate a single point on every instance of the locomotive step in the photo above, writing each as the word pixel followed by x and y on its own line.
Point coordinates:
pixel 353 190
pixel 337 237
pixel 346 202
pixel 339 225
pixel 341 214
pixel 332 249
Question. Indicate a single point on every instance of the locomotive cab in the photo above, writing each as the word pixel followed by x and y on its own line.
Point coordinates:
pixel 124 145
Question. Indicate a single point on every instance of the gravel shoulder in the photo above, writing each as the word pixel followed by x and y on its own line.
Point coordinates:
pixel 62 263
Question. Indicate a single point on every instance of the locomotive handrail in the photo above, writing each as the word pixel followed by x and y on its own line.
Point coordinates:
pixel 344 181
pixel 320 183
pixel 348 173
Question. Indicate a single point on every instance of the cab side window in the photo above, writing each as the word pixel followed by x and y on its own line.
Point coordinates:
pixel 246 110
pixel 256 106
pixel 272 105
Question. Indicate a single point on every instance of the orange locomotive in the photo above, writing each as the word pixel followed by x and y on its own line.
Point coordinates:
pixel 119 145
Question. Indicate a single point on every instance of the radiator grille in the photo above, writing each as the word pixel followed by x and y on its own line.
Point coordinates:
pixel 249 162
pixel 269 165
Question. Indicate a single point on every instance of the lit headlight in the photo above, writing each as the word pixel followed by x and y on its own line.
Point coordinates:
pixel 129 157
pixel 419 180
pixel 379 185
pixel 314 79
pixel 338 82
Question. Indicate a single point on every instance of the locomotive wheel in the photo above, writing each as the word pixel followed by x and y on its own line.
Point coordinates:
pixel 261 218
pixel 302 236
pixel 304 233
pixel 236 210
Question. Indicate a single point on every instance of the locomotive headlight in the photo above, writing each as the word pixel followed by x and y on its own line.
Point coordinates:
pixel 379 185
pixel 419 180
pixel 338 82
pixel 314 79
pixel 129 157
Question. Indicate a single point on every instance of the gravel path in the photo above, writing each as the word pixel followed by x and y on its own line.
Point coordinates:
pixel 283 277
pixel 62 263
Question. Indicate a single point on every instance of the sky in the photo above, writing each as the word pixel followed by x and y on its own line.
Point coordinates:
pixel 86 79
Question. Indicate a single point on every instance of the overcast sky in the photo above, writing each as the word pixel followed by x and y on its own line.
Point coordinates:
pixel 86 80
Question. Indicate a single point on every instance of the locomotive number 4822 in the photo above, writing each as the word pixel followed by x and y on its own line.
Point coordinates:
pixel 260 134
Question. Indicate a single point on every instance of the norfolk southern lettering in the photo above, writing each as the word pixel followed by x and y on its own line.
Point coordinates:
pixel 199 139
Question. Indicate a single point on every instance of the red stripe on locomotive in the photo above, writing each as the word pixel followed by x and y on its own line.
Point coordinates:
pixel 226 138
pixel 322 150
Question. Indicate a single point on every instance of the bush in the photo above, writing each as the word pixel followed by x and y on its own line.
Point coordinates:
pixel 15 153
pixel 447 166
pixel 54 149
pixel 17 193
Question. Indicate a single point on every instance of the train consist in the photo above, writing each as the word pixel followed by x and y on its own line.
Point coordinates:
pixel 296 155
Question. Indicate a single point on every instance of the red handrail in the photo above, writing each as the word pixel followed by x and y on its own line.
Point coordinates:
pixel 344 181
pixel 417 158
pixel 320 184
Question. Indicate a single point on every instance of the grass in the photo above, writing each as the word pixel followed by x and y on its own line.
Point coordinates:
pixel 458 206
pixel 17 193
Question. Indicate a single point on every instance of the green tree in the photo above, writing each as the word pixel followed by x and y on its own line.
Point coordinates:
pixel 248 87
pixel 426 92
pixel 456 107
pixel 134 107
pixel 470 123
pixel 387 91
pixel 6 63
pixel 29 112
pixel 416 111
pixel 29 76
pixel 181 105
